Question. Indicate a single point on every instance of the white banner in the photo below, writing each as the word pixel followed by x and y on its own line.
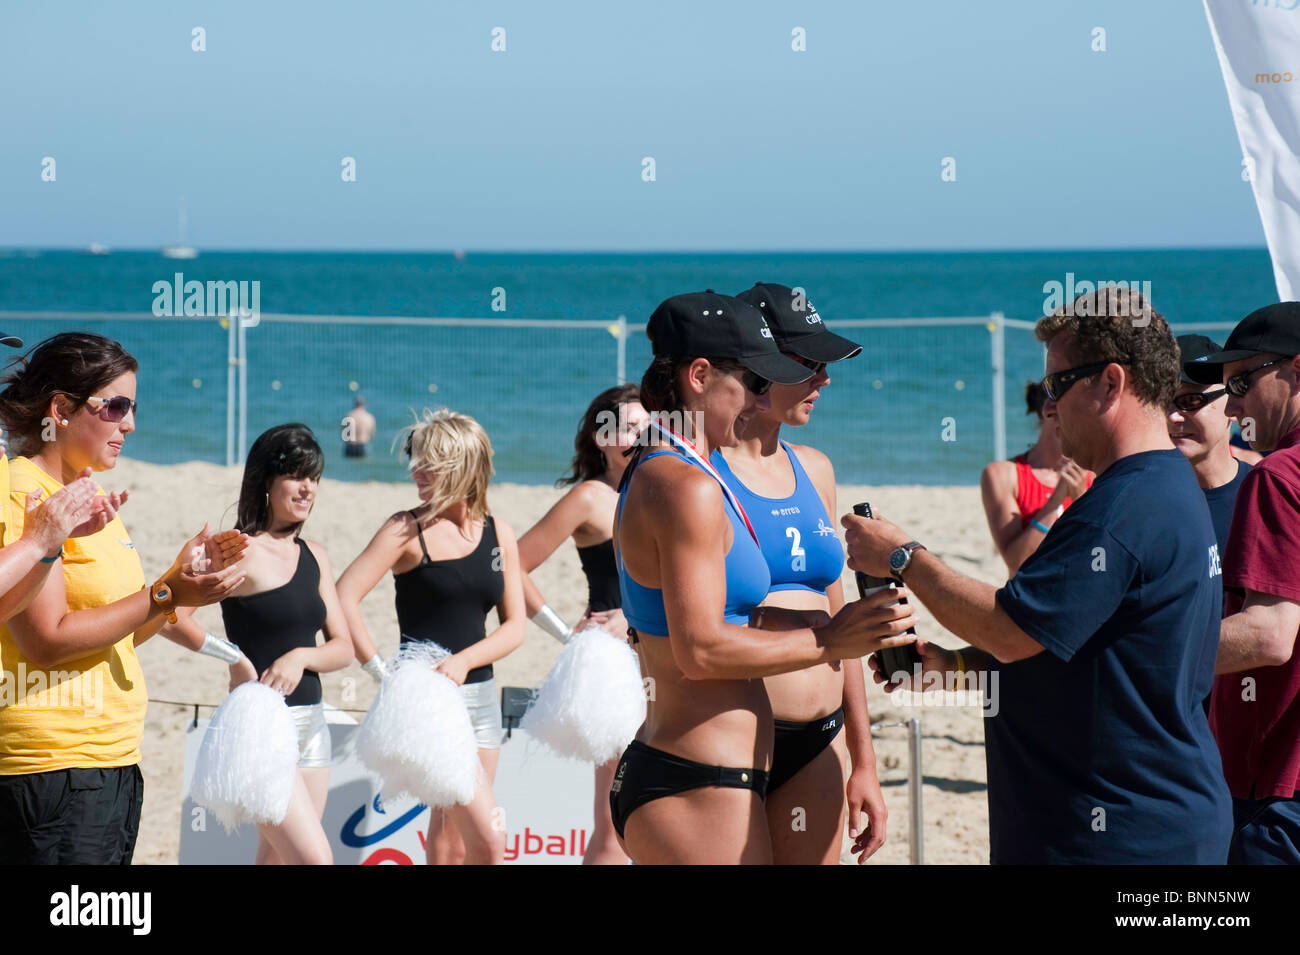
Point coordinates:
pixel 547 803
pixel 1258 42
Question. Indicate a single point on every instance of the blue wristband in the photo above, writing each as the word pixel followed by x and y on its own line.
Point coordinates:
pixel 50 560
pixel 1039 524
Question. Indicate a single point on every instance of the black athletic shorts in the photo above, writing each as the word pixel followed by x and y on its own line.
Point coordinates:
pixel 70 816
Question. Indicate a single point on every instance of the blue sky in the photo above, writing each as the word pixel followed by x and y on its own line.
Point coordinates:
pixel 540 147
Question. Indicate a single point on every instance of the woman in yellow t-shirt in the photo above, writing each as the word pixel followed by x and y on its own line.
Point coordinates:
pixel 75 510
pixel 70 783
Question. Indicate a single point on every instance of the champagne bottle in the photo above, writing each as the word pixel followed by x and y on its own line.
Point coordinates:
pixel 894 661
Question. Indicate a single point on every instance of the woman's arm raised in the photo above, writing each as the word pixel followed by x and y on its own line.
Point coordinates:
pixel 380 556
pixel 49 634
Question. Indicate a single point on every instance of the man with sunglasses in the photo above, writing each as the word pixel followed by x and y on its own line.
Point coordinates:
pixel 1255 707
pixel 1098 750
pixel 1200 427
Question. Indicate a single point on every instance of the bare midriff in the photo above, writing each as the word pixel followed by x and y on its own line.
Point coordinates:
pixel 718 722
pixel 813 692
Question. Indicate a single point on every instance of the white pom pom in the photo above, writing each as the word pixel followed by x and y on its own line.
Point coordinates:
pixel 417 736
pixel 592 701
pixel 248 758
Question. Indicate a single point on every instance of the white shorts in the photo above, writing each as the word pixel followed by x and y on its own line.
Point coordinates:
pixel 314 747
pixel 484 705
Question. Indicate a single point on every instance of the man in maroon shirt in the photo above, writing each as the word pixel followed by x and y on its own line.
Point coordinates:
pixel 1255 704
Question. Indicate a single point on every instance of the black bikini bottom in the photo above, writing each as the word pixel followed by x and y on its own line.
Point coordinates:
pixel 645 773
pixel 798 744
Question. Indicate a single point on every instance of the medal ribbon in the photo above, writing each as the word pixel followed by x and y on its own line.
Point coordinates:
pixel 691 453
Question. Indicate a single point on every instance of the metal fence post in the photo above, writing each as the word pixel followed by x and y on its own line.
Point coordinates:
pixel 916 849
pixel 231 360
pixel 998 344
pixel 622 349
pixel 243 388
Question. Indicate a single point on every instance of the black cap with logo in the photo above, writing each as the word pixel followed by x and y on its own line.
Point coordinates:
pixel 709 325
pixel 796 324
pixel 1273 328
pixel 11 341
pixel 1193 348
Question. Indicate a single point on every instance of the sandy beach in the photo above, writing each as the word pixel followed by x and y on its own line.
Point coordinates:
pixel 170 503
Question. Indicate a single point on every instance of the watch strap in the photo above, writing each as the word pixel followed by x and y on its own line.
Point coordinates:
pixel 911 547
pixel 167 603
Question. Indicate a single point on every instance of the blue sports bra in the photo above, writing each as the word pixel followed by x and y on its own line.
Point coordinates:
pixel 747 575
pixel 797 537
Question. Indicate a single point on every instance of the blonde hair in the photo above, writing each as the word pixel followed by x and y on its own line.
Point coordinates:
pixel 457 450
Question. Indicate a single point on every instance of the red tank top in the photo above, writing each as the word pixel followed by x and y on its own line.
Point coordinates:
pixel 1031 493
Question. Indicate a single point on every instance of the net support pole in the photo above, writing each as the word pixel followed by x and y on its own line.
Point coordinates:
pixel 916 849
pixel 231 360
pixel 998 345
pixel 622 349
pixel 243 386
pixel 915 824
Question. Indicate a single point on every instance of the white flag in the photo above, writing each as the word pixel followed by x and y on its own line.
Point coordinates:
pixel 1258 42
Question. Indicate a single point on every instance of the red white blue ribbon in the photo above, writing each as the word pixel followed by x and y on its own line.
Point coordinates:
pixel 692 454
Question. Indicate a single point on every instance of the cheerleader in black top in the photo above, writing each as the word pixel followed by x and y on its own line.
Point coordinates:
pixel 451 562
pixel 586 513
pixel 287 598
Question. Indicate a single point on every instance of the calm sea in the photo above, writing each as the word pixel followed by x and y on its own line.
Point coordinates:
pixel 915 407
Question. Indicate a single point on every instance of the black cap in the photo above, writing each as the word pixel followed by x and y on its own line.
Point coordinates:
pixel 1193 348
pixel 709 325
pixel 11 341
pixel 1273 328
pixel 796 324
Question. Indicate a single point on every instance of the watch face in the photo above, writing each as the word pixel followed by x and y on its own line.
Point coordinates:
pixel 898 559
pixel 162 593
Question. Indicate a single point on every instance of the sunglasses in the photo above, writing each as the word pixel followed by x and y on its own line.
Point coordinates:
pixel 817 367
pixel 1194 401
pixel 1239 384
pixel 755 383
pixel 1058 383
pixel 115 408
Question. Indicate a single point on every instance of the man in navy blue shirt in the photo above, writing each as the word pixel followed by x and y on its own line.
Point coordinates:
pixel 1105 640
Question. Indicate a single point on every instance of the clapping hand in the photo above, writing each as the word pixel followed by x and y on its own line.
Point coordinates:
pixel 207 570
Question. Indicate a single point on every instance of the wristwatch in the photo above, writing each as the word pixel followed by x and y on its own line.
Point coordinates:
pixel 161 594
pixel 900 558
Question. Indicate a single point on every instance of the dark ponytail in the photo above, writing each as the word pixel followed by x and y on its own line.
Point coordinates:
pixel 1034 398
pixel 659 390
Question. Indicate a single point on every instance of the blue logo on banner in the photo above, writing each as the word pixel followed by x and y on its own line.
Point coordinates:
pixel 349 835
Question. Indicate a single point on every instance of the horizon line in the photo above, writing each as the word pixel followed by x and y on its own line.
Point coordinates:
pixel 8 250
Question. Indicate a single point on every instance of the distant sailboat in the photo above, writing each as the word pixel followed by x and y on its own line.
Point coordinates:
pixel 180 250
pixel 97 248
